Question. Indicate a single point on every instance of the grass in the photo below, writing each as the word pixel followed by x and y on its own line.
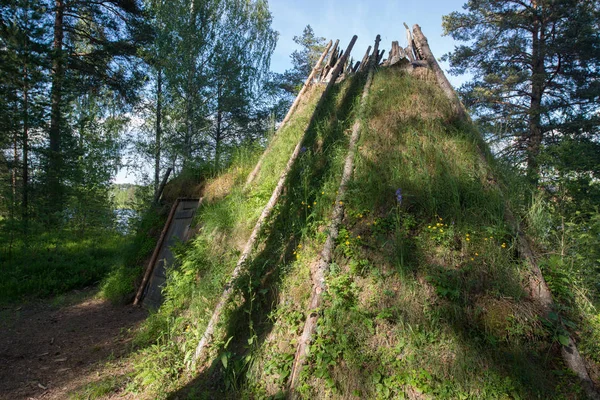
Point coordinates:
pixel 425 297
pixel 53 264
pixel 431 289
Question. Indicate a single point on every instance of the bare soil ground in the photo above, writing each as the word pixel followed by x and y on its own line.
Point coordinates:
pixel 52 348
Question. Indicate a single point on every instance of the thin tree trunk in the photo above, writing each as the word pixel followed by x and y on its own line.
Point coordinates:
pixel 13 173
pixel 207 337
pixel 538 78
pixel 218 130
pixel 157 149
pixel 316 68
pixel 25 144
pixel 326 254
pixel 189 111
pixel 55 156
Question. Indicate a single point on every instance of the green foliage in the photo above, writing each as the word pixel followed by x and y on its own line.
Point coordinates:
pixel 119 285
pixel 54 263
pixel 525 96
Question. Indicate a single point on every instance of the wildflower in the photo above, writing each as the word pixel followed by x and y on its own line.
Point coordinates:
pixel 399 195
pixel 477 254
pixel 360 215
pixel 441 219
pixel 472 259
pixel 309 206
pixel 302 203
pixel 299 246
pixel 441 230
pixel 468 240
pixel 374 222
pixel 322 192
pixel 302 149
pixel 315 203
pixel 503 245
pixel 347 243
pixel 491 237
pixel 358 237
pixel 429 227
pixel 341 203
pixel 467 235
pixel 485 239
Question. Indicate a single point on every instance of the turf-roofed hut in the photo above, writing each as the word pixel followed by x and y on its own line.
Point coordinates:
pixel 369 252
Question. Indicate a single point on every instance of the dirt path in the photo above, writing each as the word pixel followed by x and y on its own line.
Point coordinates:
pixel 49 350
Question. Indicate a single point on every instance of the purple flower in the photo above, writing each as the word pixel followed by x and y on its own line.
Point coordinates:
pixel 399 196
pixel 302 149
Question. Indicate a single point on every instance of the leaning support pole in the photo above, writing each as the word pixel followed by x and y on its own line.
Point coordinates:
pixel 541 293
pixel 316 69
pixel 161 187
pixel 207 337
pixel 152 261
pixel 443 82
pixel 326 254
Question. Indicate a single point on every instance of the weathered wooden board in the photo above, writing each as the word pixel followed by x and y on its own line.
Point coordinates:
pixel 178 231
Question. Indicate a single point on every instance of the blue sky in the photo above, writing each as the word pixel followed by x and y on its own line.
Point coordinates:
pixel 340 19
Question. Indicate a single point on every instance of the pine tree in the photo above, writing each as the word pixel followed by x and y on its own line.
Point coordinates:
pixel 536 71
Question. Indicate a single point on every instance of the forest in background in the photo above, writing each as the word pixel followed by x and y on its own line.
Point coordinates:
pixel 86 86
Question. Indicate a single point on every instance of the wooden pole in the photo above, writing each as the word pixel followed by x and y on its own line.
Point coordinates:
pixel 440 77
pixel 365 60
pixel 150 266
pixel 319 285
pixel 161 187
pixel 410 47
pixel 295 104
pixel 207 337
pixel 541 293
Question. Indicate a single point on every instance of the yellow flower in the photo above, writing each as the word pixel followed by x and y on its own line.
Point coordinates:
pixel 468 240
pixel 341 203
pixel 441 219
pixel 503 245
pixel 374 222
pixel 429 227
pixel 347 242
pixel 322 192
pixel 360 216
pixel 441 231
pixel 315 203
pixel 467 235
pixel 477 254
pixel 302 203
pixel 358 237
pixel 491 237
pixel 294 252
pixel 299 246
pixel 485 239
pixel 472 259
pixel 309 206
